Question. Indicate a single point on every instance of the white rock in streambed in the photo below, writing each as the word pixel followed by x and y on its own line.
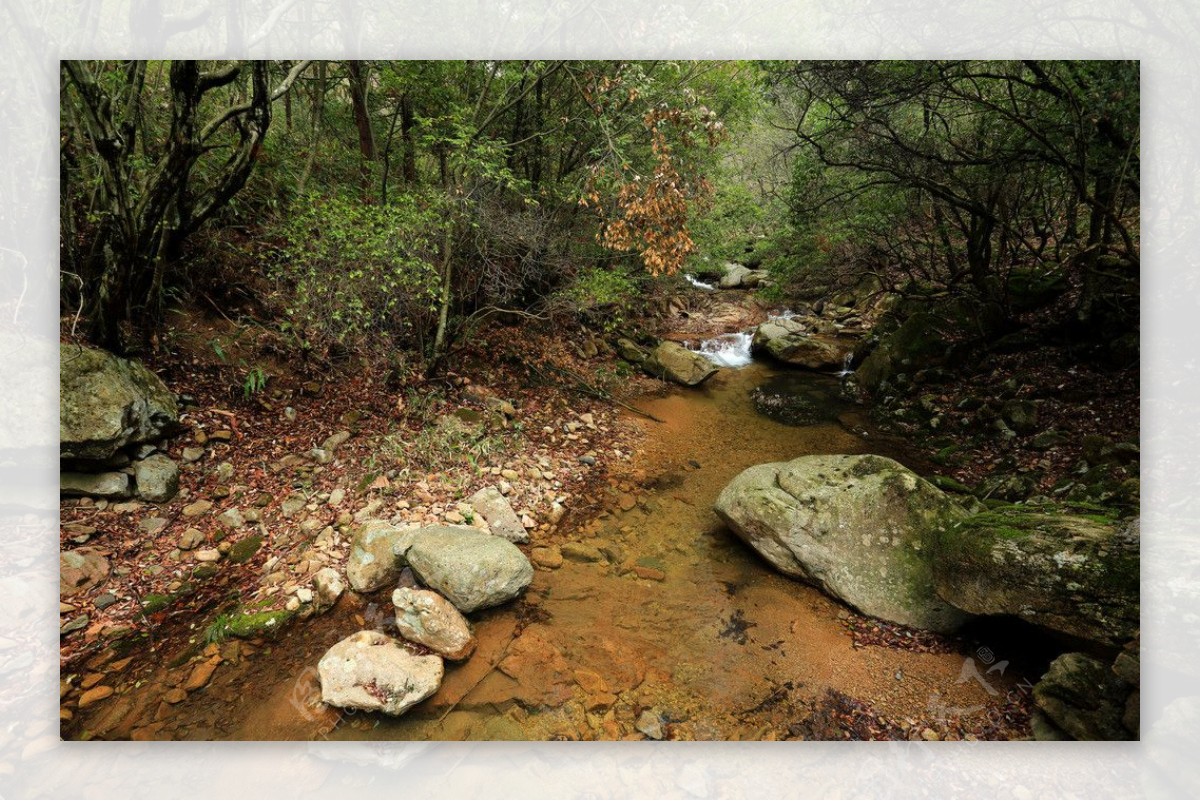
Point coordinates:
pixel 373 562
pixel 426 618
pixel 376 673
pixel 490 504
pixel 328 586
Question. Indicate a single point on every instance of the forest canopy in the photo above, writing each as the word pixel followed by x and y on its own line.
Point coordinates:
pixel 402 202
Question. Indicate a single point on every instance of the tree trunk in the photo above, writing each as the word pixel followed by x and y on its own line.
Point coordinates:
pixel 362 120
pixel 445 293
pixel 318 111
pixel 445 296
pixel 386 156
pixel 109 306
pixel 1098 231
pixel 148 210
pixel 979 255
pixel 407 124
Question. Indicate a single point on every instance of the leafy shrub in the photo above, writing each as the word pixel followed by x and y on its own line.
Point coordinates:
pixel 601 297
pixel 353 270
pixel 722 233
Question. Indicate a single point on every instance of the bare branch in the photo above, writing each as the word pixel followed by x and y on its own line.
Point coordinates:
pixel 234 111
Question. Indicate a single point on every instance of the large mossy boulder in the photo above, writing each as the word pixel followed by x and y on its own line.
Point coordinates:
pixel 739 276
pixel 733 276
pixel 673 362
pixel 917 343
pixel 858 527
pixel 1074 574
pixel 630 351
pixel 775 328
pixel 107 403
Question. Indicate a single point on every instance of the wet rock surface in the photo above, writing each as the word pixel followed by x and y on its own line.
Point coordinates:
pixel 426 618
pixel 672 361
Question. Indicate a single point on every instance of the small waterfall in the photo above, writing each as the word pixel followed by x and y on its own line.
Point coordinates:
pixel 727 350
pixel 847 362
pixel 696 282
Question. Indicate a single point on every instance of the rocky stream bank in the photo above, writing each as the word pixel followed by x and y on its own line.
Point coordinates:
pixel 566 571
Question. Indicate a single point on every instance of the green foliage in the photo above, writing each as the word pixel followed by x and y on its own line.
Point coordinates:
pixel 240 623
pixel 218 630
pixel 601 296
pixel 154 602
pixel 600 287
pixel 352 270
pixel 956 174
pixel 256 381
pixel 723 233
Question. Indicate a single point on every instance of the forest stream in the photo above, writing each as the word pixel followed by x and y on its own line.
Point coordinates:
pixel 421 421
pixel 658 623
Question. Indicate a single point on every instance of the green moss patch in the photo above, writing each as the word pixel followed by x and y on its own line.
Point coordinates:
pixel 155 602
pixel 258 623
pixel 244 549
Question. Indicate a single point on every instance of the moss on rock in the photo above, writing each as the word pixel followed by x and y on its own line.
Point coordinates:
pixel 1049 565
pixel 244 549
pixel 256 624
pixel 858 527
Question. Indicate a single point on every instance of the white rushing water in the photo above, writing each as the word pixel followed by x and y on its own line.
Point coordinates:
pixel 733 350
pixel 727 350
pixel 696 282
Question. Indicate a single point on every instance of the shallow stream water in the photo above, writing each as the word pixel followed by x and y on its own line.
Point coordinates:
pixel 659 622
pixel 700 632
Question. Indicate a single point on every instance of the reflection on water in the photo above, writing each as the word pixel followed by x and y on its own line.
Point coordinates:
pixel 799 399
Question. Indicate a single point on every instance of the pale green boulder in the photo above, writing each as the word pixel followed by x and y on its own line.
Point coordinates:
pixel 857 527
